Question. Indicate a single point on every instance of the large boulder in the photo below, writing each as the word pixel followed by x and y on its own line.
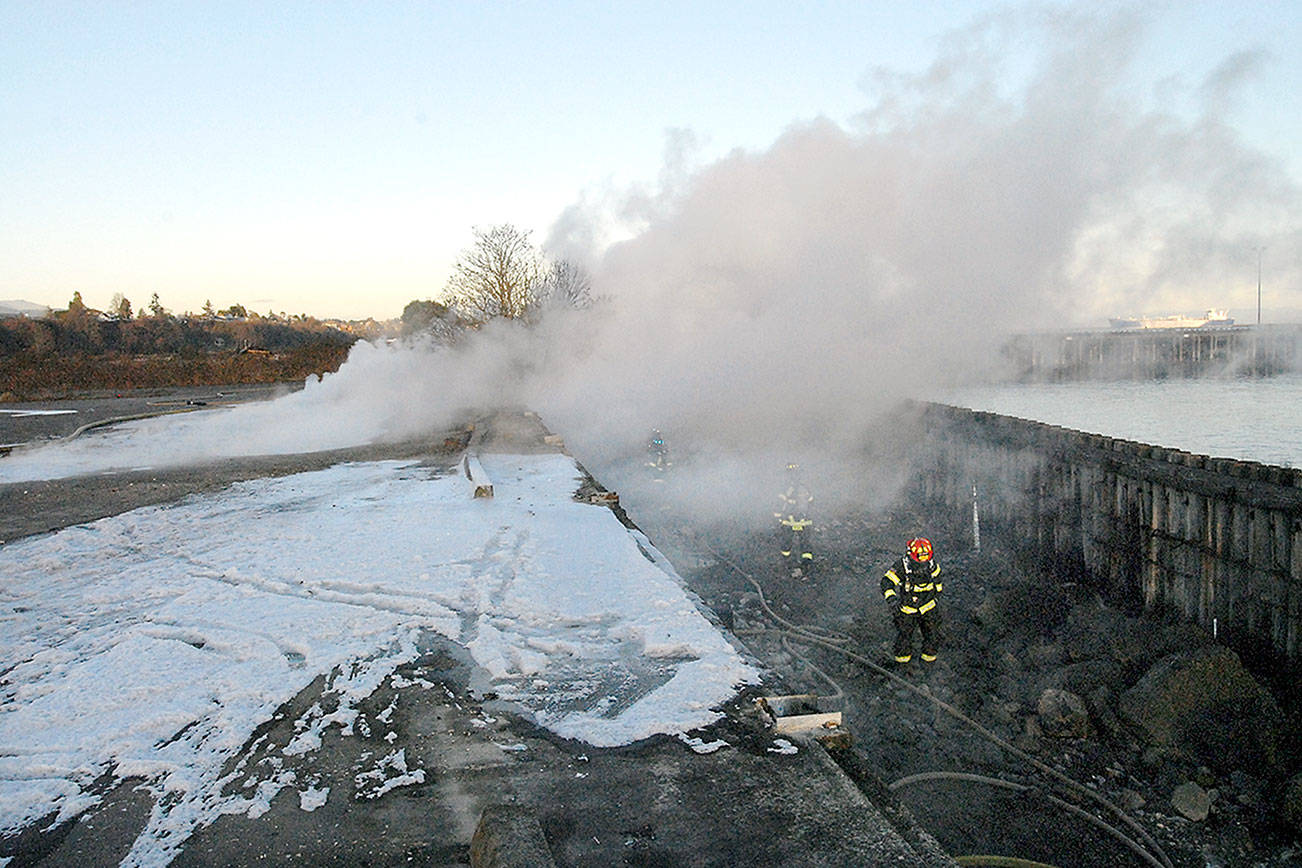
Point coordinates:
pixel 1093 631
pixel 1290 805
pixel 1083 678
pixel 1023 610
pixel 1203 705
pixel 1063 715
pixel 1101 703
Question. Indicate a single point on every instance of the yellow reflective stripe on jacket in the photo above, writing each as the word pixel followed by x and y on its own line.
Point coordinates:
pixel 920 610
pixel 890 592
pixel 895 580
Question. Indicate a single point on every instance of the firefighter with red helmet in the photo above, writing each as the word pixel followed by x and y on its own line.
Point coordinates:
pixel 912 589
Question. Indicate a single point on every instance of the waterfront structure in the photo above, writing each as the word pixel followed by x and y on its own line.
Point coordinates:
pixel 1153 353
pixel 1213 317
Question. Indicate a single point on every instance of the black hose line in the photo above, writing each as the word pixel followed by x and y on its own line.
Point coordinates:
pixel 1129 843
pixel 1155 855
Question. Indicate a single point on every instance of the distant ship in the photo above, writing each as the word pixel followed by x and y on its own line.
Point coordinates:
pixel 1212 317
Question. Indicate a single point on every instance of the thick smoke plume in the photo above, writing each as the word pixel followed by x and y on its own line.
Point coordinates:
pixel 779 303
pixel 774 306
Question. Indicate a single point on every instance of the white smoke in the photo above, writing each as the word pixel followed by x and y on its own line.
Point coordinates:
pixel 775 305
pixel 779 303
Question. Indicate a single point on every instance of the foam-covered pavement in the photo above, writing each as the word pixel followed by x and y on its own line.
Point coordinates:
pixel 548 691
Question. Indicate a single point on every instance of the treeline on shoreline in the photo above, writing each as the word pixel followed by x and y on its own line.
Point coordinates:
pixel 76 352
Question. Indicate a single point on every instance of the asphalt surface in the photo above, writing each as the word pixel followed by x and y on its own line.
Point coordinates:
pixel 496 790
pixel 50 420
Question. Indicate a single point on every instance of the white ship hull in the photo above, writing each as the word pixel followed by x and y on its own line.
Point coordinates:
pixel 1173 321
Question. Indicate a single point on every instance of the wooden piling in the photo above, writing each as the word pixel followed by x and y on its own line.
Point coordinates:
pixel 1212 539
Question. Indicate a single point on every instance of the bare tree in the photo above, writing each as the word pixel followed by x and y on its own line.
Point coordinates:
pixel 565 283
pixel 432 319
pixel 496 277
pixel 120 306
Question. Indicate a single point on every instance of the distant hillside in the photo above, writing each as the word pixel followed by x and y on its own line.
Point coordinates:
pixel 82 351
pixel 18 307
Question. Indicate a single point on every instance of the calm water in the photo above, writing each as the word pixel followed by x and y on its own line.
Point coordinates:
pixel 1254 419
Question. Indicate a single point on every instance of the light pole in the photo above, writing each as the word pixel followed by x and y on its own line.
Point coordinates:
pixel 1259 249
pixel 1259 285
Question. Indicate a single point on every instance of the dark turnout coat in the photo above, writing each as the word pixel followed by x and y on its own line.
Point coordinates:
pixel 912 587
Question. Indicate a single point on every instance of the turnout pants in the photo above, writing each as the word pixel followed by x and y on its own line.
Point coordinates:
pixel 795 543
pixel 928 623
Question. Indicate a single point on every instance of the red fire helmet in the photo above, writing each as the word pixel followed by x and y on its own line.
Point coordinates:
pixel 920 549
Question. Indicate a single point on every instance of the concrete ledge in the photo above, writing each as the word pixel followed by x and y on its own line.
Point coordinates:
pixel 509 836
pixel 479 480
pixel 480 484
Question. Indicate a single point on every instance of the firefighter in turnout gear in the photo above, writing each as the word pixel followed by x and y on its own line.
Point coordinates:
pixel 795 526
pixel 912 589
pixel 657 454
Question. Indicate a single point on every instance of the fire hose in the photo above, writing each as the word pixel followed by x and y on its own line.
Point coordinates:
pixel 1151 851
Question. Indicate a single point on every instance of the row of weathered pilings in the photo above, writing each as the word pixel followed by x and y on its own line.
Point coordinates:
pixel 1155 353
pixel 1216 540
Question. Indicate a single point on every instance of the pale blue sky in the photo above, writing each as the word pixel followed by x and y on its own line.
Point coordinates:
pixel 331 158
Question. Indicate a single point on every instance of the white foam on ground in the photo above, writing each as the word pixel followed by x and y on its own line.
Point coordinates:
pixel 154 642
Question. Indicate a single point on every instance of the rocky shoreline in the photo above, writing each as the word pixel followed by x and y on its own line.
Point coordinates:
pixel 1153 716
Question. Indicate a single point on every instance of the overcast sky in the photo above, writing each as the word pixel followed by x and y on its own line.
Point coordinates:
pixel 332 158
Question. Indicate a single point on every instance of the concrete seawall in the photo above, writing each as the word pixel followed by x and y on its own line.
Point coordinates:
pixel 1217 540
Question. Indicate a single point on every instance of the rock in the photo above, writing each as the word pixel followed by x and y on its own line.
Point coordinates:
pixel 1248 790
pixel 1082 678
pixel 1009 688
pixel 1100 703
pixel 1290 805
pixel 1088 630
pixel 509 836
pixel 1093 631
pixel 1009 664
pixel 1191 801
pixel 1202 704
pixel 1024 610
pixel 1046 656
pixel 998 710
pixel 1063 715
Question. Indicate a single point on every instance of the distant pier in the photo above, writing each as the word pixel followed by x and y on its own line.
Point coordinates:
pixel 1142 354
